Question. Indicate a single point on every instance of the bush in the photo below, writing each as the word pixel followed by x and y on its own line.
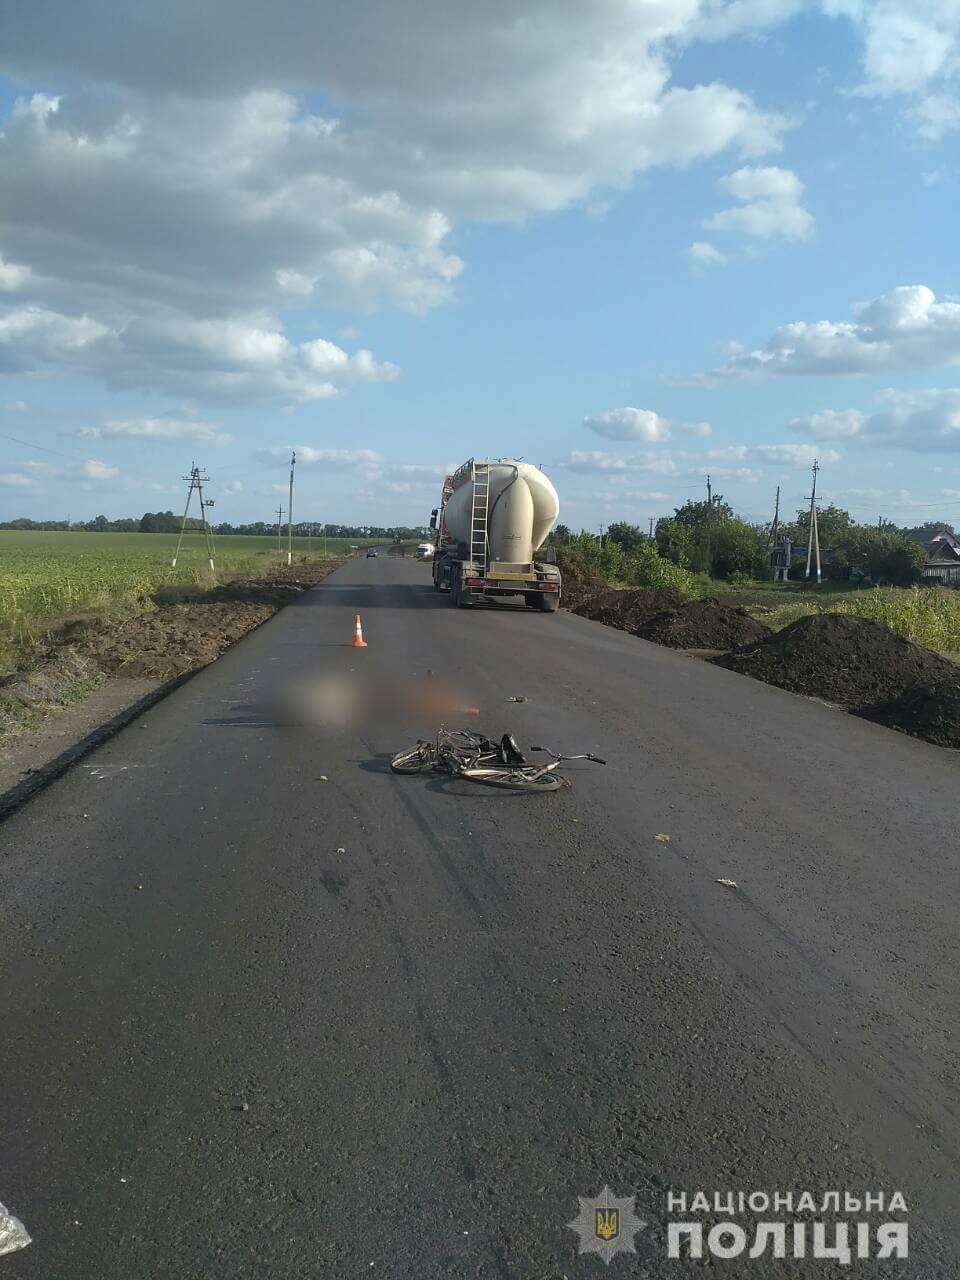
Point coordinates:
pixel 928 616
pixel 641 567
pixel 739 549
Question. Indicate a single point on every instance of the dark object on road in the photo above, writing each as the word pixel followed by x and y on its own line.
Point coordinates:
pixel 864 667
pixel 704 624
pixel 372 554
pixel 461 753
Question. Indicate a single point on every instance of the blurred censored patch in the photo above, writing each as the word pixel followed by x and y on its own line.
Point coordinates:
pixel 344 701
pixel 13 1234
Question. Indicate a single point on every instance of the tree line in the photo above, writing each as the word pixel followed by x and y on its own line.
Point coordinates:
pixel 168 522
pixel 710 538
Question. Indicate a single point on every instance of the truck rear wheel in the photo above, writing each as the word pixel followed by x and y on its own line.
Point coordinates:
pixel 550 601
pixel 459 598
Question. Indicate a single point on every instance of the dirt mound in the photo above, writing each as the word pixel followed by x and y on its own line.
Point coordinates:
pixel 625 609
pixel 703 624
pixel 173 640
pixel 52 680
pixel 931 714
pixel 852 661
pixel 189 628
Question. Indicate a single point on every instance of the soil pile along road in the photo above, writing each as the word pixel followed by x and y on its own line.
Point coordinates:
pixel 626 610
pixel 704 624
pixel 189 628
pixel 864 667
pixel 931 714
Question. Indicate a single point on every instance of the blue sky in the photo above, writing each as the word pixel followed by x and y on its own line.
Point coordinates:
pixel 405 234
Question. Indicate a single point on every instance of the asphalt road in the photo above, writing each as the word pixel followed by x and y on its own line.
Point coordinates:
pixel 231 1050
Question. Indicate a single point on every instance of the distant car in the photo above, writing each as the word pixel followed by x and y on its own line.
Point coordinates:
pixel 371 554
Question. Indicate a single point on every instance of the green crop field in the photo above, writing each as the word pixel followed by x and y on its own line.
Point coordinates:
pixel 44 576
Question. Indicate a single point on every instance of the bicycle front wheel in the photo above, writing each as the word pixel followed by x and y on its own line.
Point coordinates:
pixel 514 780
pixel 419 759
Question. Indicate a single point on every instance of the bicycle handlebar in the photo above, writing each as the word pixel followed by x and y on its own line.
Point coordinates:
pixel 586 755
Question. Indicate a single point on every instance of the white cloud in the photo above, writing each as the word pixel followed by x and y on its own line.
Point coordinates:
pixel 156 429
pixel 92 469
pixel 905 328
pixel 16 406
pixel 328 459
pixel 589 461
pixel 12 277
pixel 830 424
pixel 925 421
pixel 249 360
pixel 187 180
pixel 935 115
pixel 233 487
pixel 14 480
pixel 703 254
pixel 771 205
pixel 628 423
pixel 794 455
pixel 699 429
pixel 750 474
pixel 911 49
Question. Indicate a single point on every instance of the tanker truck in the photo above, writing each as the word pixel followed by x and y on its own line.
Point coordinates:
pixel 492 522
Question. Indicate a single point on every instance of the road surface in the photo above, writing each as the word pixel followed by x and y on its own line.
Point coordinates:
pixel 256 1024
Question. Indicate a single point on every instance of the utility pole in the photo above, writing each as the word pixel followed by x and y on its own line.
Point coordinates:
pixel 813 533
pixel 196 479
pixel 651 526
pixel 279 530
pixel 775 527
pixel 293 463
pixel 713 505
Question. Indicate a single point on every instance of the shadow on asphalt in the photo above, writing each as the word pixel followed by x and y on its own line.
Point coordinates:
pixel 386 595
pixel 374 596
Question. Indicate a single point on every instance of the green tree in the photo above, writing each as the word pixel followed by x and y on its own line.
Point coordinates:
pixel 675 541
pixel 697 515
pixel 739 549
pixel 832 523
pixel 628 536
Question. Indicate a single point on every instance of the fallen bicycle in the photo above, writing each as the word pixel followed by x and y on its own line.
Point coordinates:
pixel 462 753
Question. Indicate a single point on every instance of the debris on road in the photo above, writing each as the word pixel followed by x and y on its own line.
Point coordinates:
pixel 728 884
pixel 339 850
pixel 517 698
pixel 13 1234
pixel 662 837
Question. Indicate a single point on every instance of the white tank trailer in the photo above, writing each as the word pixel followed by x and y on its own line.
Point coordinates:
pixel 491 525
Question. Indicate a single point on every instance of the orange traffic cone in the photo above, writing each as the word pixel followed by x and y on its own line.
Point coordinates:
pixel 358 640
